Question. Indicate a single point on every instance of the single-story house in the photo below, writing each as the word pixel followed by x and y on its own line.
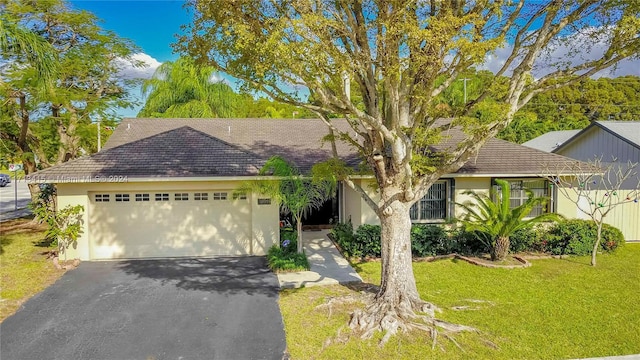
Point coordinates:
pixel 167 187
pixel 605 140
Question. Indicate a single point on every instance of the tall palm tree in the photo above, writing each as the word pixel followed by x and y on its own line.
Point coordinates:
pixel 296 194
pixel 184 89
pixel 492 216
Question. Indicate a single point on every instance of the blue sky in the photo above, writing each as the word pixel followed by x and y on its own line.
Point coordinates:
pixel 150 24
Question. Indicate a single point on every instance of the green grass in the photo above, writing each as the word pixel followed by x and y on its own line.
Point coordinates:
pixel 555 309
pixel 24 270
pixel 281 260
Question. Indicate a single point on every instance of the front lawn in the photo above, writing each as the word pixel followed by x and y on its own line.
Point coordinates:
pixel 555 309
pixel 24 270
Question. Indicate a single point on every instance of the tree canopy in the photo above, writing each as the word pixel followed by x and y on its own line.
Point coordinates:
pixel 403 56
pixel 52 123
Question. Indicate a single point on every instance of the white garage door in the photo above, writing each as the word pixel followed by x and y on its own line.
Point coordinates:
pixel 168 224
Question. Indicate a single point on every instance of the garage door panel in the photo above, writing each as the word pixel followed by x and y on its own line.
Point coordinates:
pixel 169 228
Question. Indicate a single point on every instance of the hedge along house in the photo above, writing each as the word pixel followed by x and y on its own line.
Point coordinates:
pixel 166 187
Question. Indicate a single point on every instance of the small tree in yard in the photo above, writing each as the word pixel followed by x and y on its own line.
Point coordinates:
pixel 296 194
pixel 402 57
pixel 492 216
pixel 597 188
pixel 64 226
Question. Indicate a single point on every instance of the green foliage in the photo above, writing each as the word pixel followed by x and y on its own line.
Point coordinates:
pixel 577 237
pixel 528 239
pixel 86 85
pixel 287 233
pixel 492 215
pixel 367 238
pixel 283 259
pixel 296 194
pixel 430 240
pixel 64 226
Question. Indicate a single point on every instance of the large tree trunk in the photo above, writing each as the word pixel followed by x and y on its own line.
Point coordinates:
pixel 398 286
pixel 501 248
pixel 397 305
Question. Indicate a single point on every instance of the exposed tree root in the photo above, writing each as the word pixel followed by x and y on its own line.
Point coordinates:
pixel 380 315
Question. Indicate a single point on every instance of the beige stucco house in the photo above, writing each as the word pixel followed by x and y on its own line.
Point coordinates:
pixel 167 187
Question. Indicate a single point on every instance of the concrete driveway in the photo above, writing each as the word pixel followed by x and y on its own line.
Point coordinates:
pixel 218 308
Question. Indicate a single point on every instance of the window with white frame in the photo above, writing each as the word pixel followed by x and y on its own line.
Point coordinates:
pixel 200 196
pixel 540 187
pixel 219 196
pixel 101 197
pixel 240 196
pixel 181 196
pixel 435 205
pixel 162 197
pixel 142 197
pixel 122 197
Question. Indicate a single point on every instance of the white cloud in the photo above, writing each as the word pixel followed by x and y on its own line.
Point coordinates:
pixel 576 49
pixel 141 66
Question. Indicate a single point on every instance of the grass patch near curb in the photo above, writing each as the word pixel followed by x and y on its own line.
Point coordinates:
pixel 24 270
pixel 556 309
pixel 282 260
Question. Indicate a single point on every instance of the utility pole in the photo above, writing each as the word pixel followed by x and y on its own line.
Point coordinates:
pixel 465 89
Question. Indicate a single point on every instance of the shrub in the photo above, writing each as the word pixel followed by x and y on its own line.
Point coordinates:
pixel 527 239
pixel 430 240
pixel 284 260
pixel 468 242
pixel 577 237
pixel 343 235
pixel 287 233
pixel 367 240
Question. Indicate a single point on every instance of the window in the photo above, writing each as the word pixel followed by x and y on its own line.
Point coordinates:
pixel 181 196
pixel 239 196
pixel 101 198
pixel 200 196
pixel 540 187
pixel 162 197
pixel 219 196
pixel 142 197
pixel 435 205
pixel 122 197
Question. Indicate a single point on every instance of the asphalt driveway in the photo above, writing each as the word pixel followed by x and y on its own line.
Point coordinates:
pixel 218 308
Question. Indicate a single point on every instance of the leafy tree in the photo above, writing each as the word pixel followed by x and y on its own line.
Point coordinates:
pixel 597 188
pixel 296 194
pixel 85 86
pixel 402 56
pixel 492 216
pixel 183 89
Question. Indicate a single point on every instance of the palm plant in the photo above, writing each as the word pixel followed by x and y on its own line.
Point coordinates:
pixel 184 89
pixel 296 194
pixel 493 217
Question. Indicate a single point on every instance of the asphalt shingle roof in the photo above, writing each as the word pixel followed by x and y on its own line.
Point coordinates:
pixel 148 148
pixel 551 140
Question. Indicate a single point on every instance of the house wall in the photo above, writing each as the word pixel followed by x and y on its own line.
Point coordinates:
pixel 355 208
pixel 598 143
pixel 259 230
pixel 479 185
pixel 625 217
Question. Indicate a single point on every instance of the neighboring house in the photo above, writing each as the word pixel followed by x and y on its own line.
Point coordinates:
pixel 551 140
pixel 166 187
pixel 609 140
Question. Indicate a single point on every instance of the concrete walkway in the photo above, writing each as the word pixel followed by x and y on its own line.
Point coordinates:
pixel 328 266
